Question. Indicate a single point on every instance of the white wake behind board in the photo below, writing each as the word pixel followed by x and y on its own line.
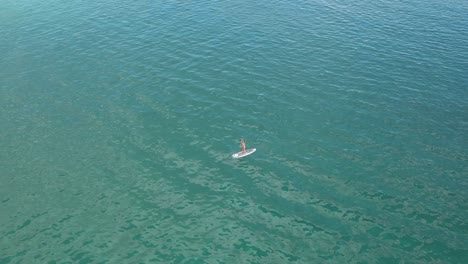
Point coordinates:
pixel 246 153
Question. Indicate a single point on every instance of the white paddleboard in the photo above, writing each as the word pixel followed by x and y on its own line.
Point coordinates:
pixel 246 153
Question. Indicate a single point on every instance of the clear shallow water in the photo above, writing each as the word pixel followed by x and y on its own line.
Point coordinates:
pixel 118 120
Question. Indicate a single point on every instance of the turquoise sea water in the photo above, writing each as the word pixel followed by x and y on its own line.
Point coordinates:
pixel 118 119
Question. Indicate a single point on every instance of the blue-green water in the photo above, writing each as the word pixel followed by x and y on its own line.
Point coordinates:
pixel 118 119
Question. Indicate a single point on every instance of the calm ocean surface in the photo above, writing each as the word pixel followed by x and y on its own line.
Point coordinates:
pixel 118 119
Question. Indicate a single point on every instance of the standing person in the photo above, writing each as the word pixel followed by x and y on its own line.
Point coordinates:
pixel 243 145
